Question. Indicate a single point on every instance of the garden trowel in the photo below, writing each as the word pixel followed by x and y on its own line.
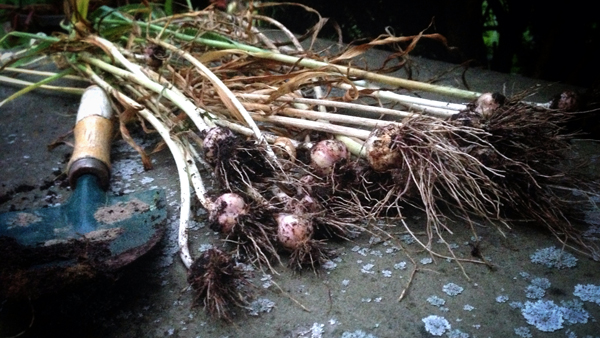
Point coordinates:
pixel 89 235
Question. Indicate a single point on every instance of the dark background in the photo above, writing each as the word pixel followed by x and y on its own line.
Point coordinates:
pixel 539 39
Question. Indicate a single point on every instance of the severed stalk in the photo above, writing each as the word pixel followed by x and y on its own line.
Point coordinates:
pixel 356 147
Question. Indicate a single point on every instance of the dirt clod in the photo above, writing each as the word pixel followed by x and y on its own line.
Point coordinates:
pixel 120 211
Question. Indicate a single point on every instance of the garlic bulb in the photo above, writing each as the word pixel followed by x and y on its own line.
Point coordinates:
pixel 326 154
pixel 284 148
pixel 568 101
pixel 227 209
pixel 487 103
pixel 380 148
pixel 293 231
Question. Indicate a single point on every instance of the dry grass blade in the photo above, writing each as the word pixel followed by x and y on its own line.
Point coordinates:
pixel 383 40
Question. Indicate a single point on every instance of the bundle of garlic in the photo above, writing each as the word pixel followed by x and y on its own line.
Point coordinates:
pixel 292 172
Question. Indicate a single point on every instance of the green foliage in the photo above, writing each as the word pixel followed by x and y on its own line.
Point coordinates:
pixel 169 7
pixel 491 37
pixel 82 8
pixel 5 43
pixel 22 40
pixel 113 23
pixel 138 10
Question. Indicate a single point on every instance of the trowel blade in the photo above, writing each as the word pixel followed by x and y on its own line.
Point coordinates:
pixel 44 245
pixel 126 222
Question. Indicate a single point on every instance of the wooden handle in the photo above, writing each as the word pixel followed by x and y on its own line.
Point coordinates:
pixel 93 133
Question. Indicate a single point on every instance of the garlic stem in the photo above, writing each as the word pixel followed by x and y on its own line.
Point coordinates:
pixel 314 125
pixel 195 176
pixel 311 114
pixel 330 103
pixel 183 103
pixel 442 109
pixel 310 63
pixel 68 90
pixel 42 73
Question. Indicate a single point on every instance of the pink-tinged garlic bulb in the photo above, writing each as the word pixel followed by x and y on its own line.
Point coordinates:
pixel 293 231
pixel 381 150
pixel 326 154
pixel 487 103
pixel 211 143
pixel 227 209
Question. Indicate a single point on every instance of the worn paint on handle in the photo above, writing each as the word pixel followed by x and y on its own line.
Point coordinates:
pixel 92 139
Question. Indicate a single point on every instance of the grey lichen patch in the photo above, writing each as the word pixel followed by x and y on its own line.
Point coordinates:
pixel 120 211
pixel 452 289
pixel 436 325
pixel 261 305
pixel 588 293
pixel 544 315
pixel 436 301
pixel 553 257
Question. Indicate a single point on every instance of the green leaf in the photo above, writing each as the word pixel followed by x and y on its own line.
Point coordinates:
pixel 29 36
pixel 115 32
pixel 105 12
pixel 82 8
pixel 169 7
pixel 216 37
pixel 31 52
pixel 37 85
